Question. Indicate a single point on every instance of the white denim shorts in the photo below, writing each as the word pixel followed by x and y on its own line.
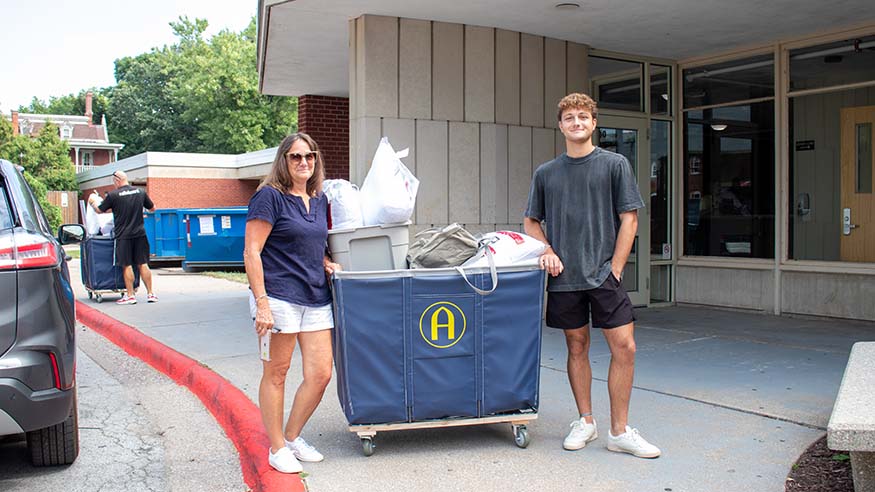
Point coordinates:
pixel 294 318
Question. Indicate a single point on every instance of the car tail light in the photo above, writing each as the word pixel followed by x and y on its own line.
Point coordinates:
pixel 55 371
pixel 22 251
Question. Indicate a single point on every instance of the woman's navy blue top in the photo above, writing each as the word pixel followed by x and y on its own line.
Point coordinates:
pixel 292 255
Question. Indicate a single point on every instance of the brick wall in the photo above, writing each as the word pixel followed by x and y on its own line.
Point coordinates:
pixel 326 119
pixel 193 193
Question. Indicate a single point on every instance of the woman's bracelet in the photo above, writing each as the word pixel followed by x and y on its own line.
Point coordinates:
pixel 262 296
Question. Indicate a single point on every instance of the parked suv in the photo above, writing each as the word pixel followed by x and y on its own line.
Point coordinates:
pixel 37 326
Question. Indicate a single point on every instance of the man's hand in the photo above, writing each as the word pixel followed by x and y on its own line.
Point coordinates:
pixel 617 273
pixel 331 267
pixel 550 261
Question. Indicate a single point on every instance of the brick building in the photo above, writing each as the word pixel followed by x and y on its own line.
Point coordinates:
pixel 189 180
pixel 89 143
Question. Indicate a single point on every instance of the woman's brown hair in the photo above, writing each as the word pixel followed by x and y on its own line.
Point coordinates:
pixel 279 177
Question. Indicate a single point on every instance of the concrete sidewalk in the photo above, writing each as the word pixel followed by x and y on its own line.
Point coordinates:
pixel 731 398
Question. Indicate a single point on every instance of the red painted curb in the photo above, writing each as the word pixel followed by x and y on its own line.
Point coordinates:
pixel 233 410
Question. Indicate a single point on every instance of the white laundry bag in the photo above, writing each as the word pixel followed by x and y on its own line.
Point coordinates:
pixel 388 194
pixel 508 248
pixel 346 205
pixel 95 223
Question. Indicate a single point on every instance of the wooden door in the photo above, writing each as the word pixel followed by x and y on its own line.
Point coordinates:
pixel 858 184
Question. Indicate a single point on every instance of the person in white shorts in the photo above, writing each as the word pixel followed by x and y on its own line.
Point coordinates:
pixel 287 265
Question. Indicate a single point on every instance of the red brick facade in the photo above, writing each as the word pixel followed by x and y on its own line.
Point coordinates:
pixel 326 119
pixel 194 192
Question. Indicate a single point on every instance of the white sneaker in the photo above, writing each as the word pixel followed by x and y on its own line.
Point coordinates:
pixel 581 433
pixel 304 451
pixel 631 442
pixel 284 461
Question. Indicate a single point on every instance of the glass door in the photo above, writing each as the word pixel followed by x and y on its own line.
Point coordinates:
pixel 628 136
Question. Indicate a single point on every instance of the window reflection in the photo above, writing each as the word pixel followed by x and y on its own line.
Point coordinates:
pixel 660 179
pixel 616 84
pixel 729 181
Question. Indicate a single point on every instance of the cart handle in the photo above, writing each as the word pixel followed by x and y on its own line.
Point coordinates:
pixel 492 271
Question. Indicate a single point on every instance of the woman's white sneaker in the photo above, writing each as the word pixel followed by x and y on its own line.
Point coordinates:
pixel 284 461
pixel 581 433
pixel 631 442
pixel 304 451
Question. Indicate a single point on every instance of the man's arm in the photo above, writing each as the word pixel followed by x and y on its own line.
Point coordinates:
pixel 625 239
pixel 549 259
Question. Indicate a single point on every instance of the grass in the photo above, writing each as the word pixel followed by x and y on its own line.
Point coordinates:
pixel 239 277
pixel 72 253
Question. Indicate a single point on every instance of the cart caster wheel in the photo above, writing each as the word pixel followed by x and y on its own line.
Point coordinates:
pixel 520 436
pixel 368 446
pixel 99 298
pixel 90 294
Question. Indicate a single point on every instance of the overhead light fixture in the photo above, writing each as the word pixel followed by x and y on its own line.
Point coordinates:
pixel 567 6
pixel 665 96
pixel 718 127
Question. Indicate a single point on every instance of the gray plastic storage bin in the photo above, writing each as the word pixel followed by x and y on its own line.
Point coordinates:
pixel 370 248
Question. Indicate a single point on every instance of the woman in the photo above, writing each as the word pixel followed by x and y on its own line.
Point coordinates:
pixel 286 263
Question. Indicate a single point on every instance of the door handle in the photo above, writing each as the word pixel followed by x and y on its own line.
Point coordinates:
pixel 846 222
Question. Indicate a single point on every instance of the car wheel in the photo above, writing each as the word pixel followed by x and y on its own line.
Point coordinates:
pixel 57 444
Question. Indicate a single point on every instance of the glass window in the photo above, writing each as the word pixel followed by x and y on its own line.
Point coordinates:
pixel 660 182
pixel 729 181
pixel 831 167
pixel 660 90
pixel 616 84
pixel 737 80
pixel 841 62
pixel 5 212
pixel 863 159
pixel 87 158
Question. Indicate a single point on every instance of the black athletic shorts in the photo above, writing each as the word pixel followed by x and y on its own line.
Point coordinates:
pixel 609 303
pixel 132 251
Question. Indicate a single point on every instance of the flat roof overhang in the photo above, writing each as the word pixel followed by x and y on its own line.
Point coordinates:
pixel 303 45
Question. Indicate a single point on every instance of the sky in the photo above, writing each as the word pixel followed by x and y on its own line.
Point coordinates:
pixel 58 47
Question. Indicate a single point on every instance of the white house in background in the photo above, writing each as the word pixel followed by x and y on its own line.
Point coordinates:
pixel 750 125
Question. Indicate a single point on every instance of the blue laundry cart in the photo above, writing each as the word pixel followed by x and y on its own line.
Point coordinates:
pixel 100 275
pixel 428 348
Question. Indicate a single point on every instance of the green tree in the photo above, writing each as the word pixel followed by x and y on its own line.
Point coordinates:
pixel 197 95
pixel 46 162
pixel 72 104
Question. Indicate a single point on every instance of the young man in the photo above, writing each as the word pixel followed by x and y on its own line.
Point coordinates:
pixel 131 245
pixel 588 199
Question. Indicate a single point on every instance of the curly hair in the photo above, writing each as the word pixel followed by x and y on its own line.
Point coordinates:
pixel 576 100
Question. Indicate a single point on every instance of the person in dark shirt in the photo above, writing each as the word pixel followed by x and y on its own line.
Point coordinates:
pixel 287 266
pixel 131 244
pixel 588 201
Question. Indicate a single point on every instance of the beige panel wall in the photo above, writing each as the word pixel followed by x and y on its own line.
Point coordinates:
pixel 554 79
pixel 493 174
pixel 464 192
pixel 448 71
pixel 531 80
pixel 576 67
pixel 828 294
pixel 414 69
pixel 479 74
pixel 507 77
pixel 458 105
pixel 432 171
pixel 729 287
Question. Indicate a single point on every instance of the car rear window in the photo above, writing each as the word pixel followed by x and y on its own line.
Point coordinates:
pixel 5 213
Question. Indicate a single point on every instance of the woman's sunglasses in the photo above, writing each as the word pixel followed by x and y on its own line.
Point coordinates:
pixel 295 157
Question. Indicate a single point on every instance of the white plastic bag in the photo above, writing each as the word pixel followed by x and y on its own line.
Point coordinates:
pixel 388 194
pixel 346 207
pixel 508 248
pixel 95 223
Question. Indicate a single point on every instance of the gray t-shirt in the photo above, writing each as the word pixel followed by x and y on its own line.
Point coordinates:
pixel 579 200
